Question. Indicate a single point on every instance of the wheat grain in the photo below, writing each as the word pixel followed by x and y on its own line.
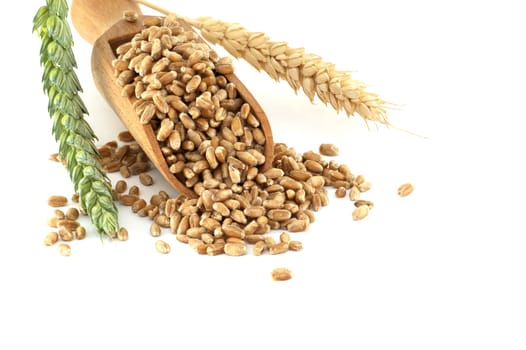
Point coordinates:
pixel 51 238
pixel 361 202
pixel 405 190
pixel 57 201
pixel 130 16
pixel 227 217
pixel 360 212
pixel 235 249
pixel 162 247
pixel 340 192
pixel 281 274
pixel 145 179
pixel 64 249
pixel 328 149
pixel 295 246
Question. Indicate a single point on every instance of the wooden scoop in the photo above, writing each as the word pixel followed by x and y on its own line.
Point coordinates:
pixel 101 23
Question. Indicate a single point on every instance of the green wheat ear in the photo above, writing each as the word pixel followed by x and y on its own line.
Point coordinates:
pixel 66 109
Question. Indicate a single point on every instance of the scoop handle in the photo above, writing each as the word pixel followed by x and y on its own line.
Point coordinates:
pixel 91 18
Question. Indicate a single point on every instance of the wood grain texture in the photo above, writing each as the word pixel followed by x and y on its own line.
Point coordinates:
pixel 91 18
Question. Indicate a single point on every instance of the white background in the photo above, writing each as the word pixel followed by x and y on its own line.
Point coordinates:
pixel 441 269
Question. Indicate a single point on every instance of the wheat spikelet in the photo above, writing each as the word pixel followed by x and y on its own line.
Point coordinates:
pixel 301 70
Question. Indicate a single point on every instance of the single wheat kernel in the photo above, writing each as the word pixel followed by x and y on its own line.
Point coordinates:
pixel 274 173
pixel 253 239
pixel 235 240
pixel 254 211
pixel 134 190
pixel 80 233
pixel 64 249
pixel 361 202
pixel 364 186
pixel 57 201
pixel 328 149
pixel 125 136
pixel 70 225
pixel 354 193
pixel 310 216
pixel 262 228
pixel 296 225
pixel 317 181
pixel 121 186
pixel 278 248
pixel 222 209
pixel 164 195
pixel 162 247
pixel 281 274
pixel 279 214
pixel 359 179
pixel 215 248
pixel 194 243
pixel 340 192
pixel 313 166
pixel 284 237
pixel 235 249
pixel 269 241
pixel 334 165
pixel 127 199
pixel 122 234
pixel 201 248
pixel 72 214
pixel 251 228
pixel 208 238
pixel 295 245
pixel 130 16
pixel 145 179
pixel 405 190
pixel 138 205
pixel 112 166
pixel 124 171
pixel 236 214
pixel 258 248
pixel 182 238
pixel 360 212
pixel 139 167
pixel 195 232
pixel 231 230
pixel 65 234
pixel 51 238
pixel 162 220
pixel 155 229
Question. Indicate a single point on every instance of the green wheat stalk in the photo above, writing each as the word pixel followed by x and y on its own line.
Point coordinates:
pixel 66 109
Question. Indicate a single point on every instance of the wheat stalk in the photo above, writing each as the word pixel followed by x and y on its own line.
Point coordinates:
pixel 66 109
pixel 305 71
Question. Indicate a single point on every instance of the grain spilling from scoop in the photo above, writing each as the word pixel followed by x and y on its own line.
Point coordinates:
pixel 180 87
